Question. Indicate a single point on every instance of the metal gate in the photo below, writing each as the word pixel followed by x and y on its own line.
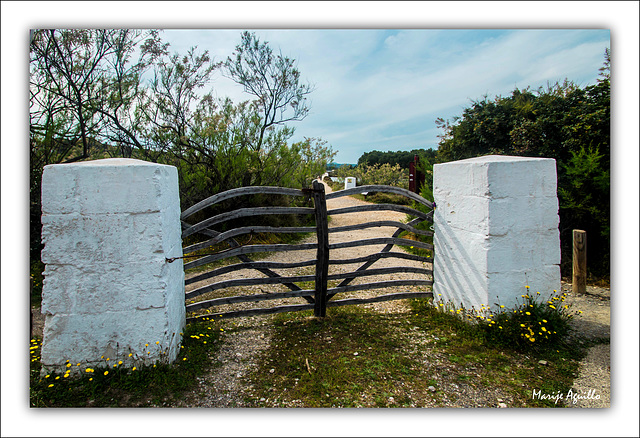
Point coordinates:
pixel 320 297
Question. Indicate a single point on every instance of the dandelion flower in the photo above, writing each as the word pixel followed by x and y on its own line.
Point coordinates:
pixel 106 372
pixel 90 379
pixel 521 325
pixel 130 354
pixel 528 313
pixel 552 306
pixel 146 345
pixel 502 306
pixel 544 320
pixel 133 369
pixel 68 365
pixel 157 342
pixel 120 362
pixel 184 358
pixel 544 329
pixel 50 385
pixel 89 370
pixel 526 287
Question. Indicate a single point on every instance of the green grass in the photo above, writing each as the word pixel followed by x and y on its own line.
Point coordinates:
pixel 392 369
pixel 334 361
pixel 147 386
pixel 355 357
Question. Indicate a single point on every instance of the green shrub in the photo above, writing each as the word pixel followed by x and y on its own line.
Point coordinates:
pixel 533 325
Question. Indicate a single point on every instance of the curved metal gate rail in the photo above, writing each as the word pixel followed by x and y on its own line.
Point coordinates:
pixel 318 298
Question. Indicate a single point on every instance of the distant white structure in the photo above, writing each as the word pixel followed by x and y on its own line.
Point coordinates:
pixel 496 230
pixel 349 182
pixel 109 292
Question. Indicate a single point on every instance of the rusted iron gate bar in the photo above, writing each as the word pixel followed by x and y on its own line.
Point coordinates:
pixel 318 298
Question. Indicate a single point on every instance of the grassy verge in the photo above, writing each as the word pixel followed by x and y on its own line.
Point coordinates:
pixel 426 358
pixel 145 386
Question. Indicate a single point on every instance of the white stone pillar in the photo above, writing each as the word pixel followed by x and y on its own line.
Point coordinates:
pixel 108 227
pixel 496 230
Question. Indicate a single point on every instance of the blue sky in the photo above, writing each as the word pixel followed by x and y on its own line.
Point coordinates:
pixel 383 88
pixel 351 110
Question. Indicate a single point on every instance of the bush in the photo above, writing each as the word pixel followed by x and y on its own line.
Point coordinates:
pixel 533 325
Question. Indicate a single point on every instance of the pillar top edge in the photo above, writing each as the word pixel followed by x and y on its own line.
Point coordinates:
pixel 109 162
pixel 496 159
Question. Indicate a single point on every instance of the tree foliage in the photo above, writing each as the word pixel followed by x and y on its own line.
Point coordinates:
pixel 564 121
pixel 376 174
pixel 97 93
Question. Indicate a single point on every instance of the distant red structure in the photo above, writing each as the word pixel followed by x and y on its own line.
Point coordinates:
pixel 416 178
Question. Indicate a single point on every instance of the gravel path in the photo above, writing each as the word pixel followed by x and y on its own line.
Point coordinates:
pixel 252 335
pixel 594 380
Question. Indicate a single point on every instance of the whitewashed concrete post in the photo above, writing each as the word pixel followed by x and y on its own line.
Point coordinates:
pixel 108 227
pixel 496 230
pixel 349 182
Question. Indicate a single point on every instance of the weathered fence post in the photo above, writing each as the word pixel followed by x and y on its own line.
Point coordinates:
pixel 496 230
pixel 108 227
pixel 579 282
pixel 322 258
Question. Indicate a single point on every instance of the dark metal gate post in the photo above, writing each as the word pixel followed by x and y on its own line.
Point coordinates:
pixel 322 262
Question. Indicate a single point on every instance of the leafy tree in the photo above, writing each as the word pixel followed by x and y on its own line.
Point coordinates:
pixel 91 99
pixel 273 80
pixel 565 122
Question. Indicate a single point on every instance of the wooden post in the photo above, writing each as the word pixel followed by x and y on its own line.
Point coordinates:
pixel 579 284
pixel 322 258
